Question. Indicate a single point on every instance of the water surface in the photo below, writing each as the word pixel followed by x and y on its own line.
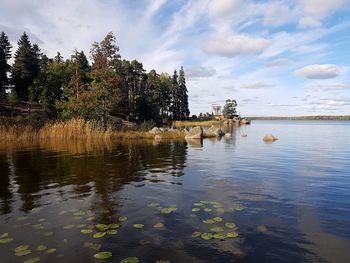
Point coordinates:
pixel 290 200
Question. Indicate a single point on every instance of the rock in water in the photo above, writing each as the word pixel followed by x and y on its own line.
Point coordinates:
pixel 213 132
pixel 195 133
pixel 269 138
pixel 228 135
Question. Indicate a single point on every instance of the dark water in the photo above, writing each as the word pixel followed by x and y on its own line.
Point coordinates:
pixel 290 200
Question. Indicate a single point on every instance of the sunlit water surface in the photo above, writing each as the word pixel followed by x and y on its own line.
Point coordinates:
pixel 290 200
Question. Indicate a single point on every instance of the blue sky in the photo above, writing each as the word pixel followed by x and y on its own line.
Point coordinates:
pixel 274 57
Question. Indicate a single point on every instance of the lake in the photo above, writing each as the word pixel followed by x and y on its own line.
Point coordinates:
pixel 237 199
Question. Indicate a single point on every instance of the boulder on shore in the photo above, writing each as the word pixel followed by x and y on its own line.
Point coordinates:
pixel 213 132
pixel 269 138
pixel 155 130
pixel 194 133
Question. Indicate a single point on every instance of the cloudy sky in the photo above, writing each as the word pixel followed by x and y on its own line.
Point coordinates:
pixel 274 57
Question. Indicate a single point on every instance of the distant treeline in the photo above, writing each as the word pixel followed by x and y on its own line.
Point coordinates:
pixel 108 87
pixel 321 117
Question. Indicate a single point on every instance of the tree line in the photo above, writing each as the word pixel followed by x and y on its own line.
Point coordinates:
pixel 109 86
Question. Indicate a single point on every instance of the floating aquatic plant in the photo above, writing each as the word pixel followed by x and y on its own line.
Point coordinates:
pixel 4 235
pixel 130 260
pixel 22 218
pixel 80 226
pixel 196 234
pixel 102 226
pixel 217 229
pixel 122 218
pixel 22 250
pixel 113 226
pixel 112 232
pixel 207 210
pixel 198 204
pixel 86 231
pixel 217 219
pixel 168 210
pixel 6 240
pixel 99 234
pixel 48 234
pixel 153 205
pixel 38 226
pixel 208 221
pixel 220 236
pixel 230 225
pixel 196 209
pixel 32 260
pixel 41 248
pixel 138 225
pixel 159 225
pixel 51 250
pixel 206 236
pixel 103 255
pixel 232 234
pixel 220 210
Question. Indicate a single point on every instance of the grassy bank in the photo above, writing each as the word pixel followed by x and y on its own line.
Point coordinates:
pixel 75 129
pixel 182 124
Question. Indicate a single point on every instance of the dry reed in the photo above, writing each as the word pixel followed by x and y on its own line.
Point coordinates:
pixel 181 124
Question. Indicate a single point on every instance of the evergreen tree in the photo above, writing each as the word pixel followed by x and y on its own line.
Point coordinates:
pixel 25 67
pixel 183 97
pixel 175 103
pixel 5 55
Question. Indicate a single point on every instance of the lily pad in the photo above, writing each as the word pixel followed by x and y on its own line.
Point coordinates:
pixel 130 260
pixel 4 235
pixel 51 250
pixel 220 210
pixel 206 236
pixel 232 234
pixel 38 226
pixel 22 250
pixel 79 213
pixel 91 218
pixel 168 210
pixel 159 225
pixel 32 260
pixel 153 205
pixel 112 232
pixel 217 219
pixel 6 240
pixel 207 210
pixel 101 226
pixel 196 234
pixel 217 229
pixel 93 246
pixel 138 225
pixel 99 235
pixel 122 218
pixel 196 209
pixel 230 225
pixel 86 231
pixel 198 204
pixel 103 255
pixel 41 248
pixel 204 202
pixel 81 226
pixel 113 226
pixel 220 236
pixel 22 218
pixel 208 221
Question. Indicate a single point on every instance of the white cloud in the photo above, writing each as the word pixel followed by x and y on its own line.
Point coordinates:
pixel 317 71
pixel 330 87
pixel 200 72
pixel 230 46
pixel 223 7
pixel 314 11
pixel 277 14
pixel 258 85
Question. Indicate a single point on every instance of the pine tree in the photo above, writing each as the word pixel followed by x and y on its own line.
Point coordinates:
pixel 5 55
pixel 25 67
pixel 175 103
pixel 183 97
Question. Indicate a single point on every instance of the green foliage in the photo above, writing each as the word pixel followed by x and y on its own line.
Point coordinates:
pixel 230 108
pixel 5 55
pixel 147 125
pixel 109 88
pixel 26 67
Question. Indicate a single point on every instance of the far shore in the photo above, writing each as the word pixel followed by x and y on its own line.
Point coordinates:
pixel 318 117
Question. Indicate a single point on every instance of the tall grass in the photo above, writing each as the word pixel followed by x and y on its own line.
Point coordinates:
pixel 181 124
